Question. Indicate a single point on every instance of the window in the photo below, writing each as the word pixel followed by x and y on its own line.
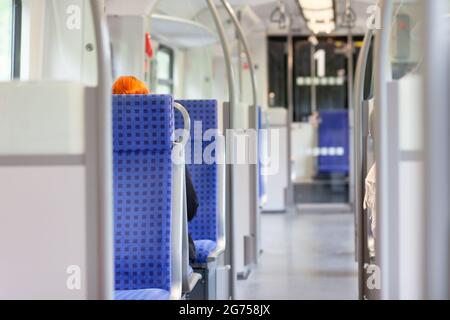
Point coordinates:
pixel 10 33
pixel 330 68
pixel 406 40
pixel 330 78
pixel 369 80
pixel 164 58
pixel 6 36
pixel 277 72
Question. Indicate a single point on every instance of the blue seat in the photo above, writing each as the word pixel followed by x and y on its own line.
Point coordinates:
pixel 334 135
pixel 145 294
pixel 142 144
pixel 203 249
pixel 204 227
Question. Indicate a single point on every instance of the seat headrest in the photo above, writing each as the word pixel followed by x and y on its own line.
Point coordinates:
pixel 142 122
pixel 204 111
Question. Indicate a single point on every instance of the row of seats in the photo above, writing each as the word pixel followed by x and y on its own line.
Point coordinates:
pixel 149 196
pixel 204 228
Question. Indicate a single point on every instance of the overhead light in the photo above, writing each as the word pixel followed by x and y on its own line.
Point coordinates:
pixel 321 27
pixel 319 15
pixel 316 4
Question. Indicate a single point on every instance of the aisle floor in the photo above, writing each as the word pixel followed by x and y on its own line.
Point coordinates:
pixel 306 256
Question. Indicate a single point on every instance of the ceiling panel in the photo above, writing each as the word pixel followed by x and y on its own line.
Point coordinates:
pixel 262 9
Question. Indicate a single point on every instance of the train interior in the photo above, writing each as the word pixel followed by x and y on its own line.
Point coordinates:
pixel 275 110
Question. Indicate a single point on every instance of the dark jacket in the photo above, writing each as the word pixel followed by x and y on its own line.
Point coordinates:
pixel 192 206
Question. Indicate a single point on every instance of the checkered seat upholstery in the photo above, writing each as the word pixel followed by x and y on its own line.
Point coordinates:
pixel 142 144
pixel 203 228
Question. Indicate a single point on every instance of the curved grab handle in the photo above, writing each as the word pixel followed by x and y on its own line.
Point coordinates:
pixel 187 123
pixel 360 73
pixel 244 41
pixel 227 55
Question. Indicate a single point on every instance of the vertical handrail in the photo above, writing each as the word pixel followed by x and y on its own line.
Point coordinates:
pixel 104 159
pixel 227 56
pixel 437 152
pixel 244 41
pixel 382 67
pixel 254 185
pixel 350 93
pixel 181 261
pixel 290 201
pixel 179 257
pixel 232 116
pixel 359 173
pixel 313 90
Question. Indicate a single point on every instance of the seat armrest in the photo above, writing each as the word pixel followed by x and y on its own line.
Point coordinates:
pixel 177 226
pixel 216 253
pixel 188 278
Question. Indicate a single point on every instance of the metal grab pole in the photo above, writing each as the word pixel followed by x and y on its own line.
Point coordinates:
pixel 350 93
pixel 254 180
pixel 227 55
pixel 104 160
pixel 232 116
pixel 290 199
pixel 244 41
pixel 382 67
pixel 435 252
pixel 359 159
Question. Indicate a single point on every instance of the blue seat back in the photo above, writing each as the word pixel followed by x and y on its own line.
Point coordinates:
pixel 204 176
pixel 334 139
pixel 142 144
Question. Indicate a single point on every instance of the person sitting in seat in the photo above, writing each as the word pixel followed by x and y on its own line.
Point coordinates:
pixel 132 85
pixel 370 196
pixel 129 85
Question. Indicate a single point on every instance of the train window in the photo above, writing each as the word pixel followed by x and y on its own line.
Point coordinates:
pixel 17 38
pixel 6 32
pixel 369 77
pixel 330 78
pixel 406 39
pixel 277 72
pixel 165 61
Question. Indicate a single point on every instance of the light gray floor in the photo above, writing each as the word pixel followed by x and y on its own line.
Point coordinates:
pixel 306 256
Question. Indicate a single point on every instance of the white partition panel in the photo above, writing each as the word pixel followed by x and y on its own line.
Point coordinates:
pixel 43 232
pixel 411 190
pixel 241 200
pixel 277 182
pixel 406 197
pixel 54 225
pixel 246 192
pixel 41 119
